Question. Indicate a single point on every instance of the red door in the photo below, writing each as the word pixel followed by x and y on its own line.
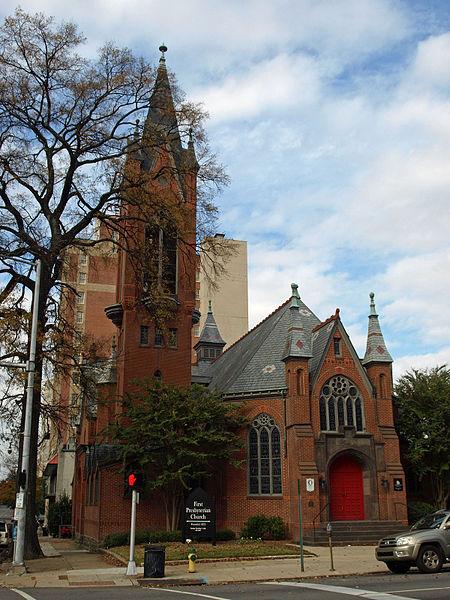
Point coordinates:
pixel 346 489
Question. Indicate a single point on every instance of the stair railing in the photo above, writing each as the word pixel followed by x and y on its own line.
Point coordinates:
pixel 315 519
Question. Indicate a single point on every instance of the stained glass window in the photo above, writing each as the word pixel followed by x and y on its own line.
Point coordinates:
pixel 264 456
pixel 340 404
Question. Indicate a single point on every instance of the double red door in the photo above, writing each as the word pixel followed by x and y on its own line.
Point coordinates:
pixel 346 490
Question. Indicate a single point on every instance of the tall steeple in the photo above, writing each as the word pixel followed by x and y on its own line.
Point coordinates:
pixel 161 118
pixel 298 342
pixel 376 350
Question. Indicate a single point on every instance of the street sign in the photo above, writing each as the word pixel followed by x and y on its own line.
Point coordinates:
pixel 20 500
pixel 309 484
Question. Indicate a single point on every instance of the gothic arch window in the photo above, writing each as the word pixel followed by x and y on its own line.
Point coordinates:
pixel 340 404
pixel 161 246
pixel 264 456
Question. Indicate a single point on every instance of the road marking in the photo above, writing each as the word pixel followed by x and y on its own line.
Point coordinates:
pixel 369 594
pixel 420 590
pixel 191 594
pixel 23 594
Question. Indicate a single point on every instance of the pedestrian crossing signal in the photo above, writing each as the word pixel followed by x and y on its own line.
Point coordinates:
pixel 135 479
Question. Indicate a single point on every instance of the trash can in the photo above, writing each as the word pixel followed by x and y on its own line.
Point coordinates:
pixel 154 560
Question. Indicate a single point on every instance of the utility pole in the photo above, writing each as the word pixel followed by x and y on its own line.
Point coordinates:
pixel 21 497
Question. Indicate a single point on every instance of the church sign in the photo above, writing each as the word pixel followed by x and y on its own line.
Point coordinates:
pixel 199 516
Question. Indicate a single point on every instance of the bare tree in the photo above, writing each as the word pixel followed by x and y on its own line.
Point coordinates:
pixel 65 124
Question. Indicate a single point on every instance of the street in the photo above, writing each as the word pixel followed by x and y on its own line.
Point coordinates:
pixel 413 586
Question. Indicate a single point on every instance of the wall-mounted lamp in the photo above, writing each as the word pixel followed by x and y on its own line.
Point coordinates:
pixel 385 484
pixel 323 484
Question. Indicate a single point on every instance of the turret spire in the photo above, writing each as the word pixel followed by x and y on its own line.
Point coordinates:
pixel 210 344
pixel 298 341
pixel 376 350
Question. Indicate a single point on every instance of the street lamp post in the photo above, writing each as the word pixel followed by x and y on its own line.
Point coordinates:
pixel 21 498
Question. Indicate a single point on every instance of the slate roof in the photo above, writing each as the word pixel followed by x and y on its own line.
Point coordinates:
pixel 254 364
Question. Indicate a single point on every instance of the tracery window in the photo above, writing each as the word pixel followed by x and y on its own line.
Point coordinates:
pixel 340 404
pixel 264 456
pixel 161 246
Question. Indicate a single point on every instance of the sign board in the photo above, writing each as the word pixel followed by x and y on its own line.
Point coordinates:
pixel 20 499
pixel 398 485
pixel 199 516
pixel 309 484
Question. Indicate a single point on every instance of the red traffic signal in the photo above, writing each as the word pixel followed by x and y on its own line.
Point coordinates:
pixel 135 480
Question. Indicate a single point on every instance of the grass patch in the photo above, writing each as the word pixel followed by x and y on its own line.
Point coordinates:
pixel 232 549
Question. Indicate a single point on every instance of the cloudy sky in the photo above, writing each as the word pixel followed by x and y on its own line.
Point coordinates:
pixel 333 119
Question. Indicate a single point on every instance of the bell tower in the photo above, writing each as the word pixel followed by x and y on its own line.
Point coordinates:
pixel 155 299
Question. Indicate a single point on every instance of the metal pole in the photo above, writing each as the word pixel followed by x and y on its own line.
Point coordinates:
pixel 21 500
pixel 330 544
pixel 131 568
pixel 300 519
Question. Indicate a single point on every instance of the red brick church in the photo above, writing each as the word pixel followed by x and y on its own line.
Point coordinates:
pixel 319 417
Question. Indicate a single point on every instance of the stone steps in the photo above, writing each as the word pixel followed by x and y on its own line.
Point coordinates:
pixel 353 532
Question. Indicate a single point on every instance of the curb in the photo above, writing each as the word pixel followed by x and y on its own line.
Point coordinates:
pixel 151 582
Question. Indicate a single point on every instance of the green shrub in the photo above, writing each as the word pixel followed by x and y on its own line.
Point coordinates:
pixel 143 536
pixel 418 509
pixel 266 528
pixel 59 513
pixel 225 535
pixel 155 537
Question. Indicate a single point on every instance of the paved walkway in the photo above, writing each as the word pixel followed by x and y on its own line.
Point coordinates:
pixel 66 564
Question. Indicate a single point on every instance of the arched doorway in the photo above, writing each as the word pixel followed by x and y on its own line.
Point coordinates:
pixel 346 489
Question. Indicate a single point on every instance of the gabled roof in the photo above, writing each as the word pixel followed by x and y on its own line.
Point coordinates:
pixel 254 364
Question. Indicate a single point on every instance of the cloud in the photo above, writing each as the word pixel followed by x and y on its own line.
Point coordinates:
pixel 334 121
pixel 279 83
pixel 431 66
pixel 421 361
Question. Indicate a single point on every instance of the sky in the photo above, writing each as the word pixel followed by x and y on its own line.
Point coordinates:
pixel 333 120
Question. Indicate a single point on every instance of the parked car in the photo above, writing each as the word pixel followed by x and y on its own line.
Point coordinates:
pixel 4 534
pixel 426 545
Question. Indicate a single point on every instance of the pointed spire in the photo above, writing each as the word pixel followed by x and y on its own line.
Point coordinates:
pixel 298 341
pixel 210 338
pixel 161 118
pixel 190 158
pixel 376 350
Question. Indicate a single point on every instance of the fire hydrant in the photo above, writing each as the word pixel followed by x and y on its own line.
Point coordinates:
pixel 192 557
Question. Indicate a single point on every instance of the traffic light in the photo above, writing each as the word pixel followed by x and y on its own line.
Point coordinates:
pixel 134 479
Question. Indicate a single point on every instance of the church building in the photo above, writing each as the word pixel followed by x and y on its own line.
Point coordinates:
pixel 320 421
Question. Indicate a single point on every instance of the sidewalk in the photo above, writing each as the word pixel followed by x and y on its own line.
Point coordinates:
pixel 66 564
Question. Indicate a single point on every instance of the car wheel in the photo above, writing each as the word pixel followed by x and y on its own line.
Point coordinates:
pixel 398 567
pixel 430 559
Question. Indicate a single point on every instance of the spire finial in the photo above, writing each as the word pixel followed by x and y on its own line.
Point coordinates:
pixel 294 288
pixel 209 306
pixel 295 297
pixel 372 304
pixel 163 50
